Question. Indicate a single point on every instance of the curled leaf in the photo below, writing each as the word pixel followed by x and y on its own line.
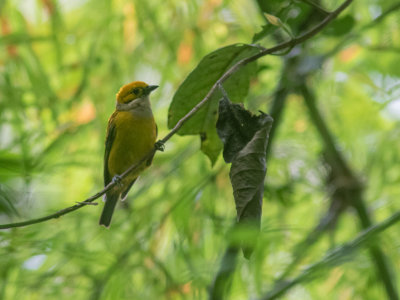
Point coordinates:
pixel 245 139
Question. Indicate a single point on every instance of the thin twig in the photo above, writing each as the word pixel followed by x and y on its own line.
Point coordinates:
pixel 79 204
pixel 291 43
pixel 245 61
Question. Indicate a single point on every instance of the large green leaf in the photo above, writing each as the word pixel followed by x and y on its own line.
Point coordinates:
pixel 197 85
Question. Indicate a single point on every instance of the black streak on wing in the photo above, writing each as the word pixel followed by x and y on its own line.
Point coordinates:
pixel 109 141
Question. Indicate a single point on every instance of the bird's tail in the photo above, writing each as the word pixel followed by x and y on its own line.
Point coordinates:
pixel 108 210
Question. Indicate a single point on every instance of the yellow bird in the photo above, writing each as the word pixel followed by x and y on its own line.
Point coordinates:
pixel 131 134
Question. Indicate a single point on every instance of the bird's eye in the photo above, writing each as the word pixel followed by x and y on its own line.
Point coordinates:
pixel 136 91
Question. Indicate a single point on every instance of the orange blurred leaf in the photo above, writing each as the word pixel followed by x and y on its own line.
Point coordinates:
pixel 350 53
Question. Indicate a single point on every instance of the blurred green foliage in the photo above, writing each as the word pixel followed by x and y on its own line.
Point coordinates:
pixel 61 64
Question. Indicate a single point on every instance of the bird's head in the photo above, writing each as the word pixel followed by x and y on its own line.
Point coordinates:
pixel 134 90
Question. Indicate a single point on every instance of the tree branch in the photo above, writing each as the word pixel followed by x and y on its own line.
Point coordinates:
pixel 349 188
pixel 288 44
pixel 276 110
pixel 223 278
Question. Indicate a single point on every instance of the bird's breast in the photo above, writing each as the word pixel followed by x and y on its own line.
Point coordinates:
pixel 134 137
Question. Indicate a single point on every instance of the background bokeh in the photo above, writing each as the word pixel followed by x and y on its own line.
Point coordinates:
pixel 61 64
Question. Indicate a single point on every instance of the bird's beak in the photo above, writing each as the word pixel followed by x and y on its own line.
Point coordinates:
pixel 150 88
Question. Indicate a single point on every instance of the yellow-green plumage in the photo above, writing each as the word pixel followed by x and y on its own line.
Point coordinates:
pixel 134 137
pixel 131 134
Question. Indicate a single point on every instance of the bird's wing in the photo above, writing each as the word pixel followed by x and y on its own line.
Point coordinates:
pixel 111 131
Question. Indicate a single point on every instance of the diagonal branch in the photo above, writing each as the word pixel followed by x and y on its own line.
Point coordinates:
pixel 288 44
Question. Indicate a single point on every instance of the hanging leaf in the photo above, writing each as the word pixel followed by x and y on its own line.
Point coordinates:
pixel 245 139
pixel 199 82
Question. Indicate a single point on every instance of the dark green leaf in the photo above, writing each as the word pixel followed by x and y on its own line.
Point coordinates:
pixel 266 30
pixel 274 7
pixel 245 138
pixel 340 26
pixel 295 14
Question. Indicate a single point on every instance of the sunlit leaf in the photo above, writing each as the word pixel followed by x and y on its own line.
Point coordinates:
pixel 199 82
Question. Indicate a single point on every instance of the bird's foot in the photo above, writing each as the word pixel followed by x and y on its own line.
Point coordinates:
pixel 117 180
pixel 159 145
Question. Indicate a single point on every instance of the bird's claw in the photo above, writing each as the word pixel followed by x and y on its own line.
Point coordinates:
pixel 159 145
pixel 117 180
